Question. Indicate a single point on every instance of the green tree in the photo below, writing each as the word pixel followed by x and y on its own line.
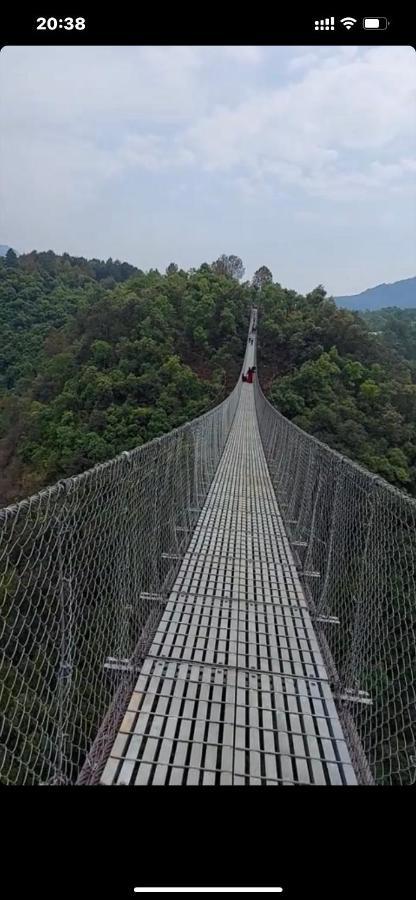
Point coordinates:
pixel 230 266
pixel 262 277
pixel 11 259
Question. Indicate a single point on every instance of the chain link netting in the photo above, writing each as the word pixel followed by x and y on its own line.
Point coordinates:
pixel 354 538
pixel 85 567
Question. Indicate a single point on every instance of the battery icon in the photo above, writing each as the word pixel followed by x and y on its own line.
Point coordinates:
pixel 375 24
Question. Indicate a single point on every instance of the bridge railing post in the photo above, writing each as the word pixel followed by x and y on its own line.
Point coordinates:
pixel 324 606
pixel 124 611
pixel 353 667
pixel 65 666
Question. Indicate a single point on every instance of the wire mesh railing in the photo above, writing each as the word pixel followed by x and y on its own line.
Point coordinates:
pixel 84 568
pixel 355 540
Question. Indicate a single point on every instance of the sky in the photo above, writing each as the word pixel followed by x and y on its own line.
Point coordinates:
pixel 299 158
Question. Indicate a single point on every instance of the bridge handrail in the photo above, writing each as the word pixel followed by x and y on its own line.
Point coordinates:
pixel 355 539
pixel 373 476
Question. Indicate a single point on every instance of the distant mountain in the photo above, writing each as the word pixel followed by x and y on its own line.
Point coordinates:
pixel 3 249
pixel 399 293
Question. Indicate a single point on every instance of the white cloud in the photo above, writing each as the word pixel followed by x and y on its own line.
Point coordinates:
pixel 244 54
pixel 305 131
pixel 99 86
pixel 349 100
pixel 151 152
pixel 304 61
pixel 238 128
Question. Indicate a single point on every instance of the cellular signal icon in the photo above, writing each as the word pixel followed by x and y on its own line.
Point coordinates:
pixel 325 24
pixel 348 22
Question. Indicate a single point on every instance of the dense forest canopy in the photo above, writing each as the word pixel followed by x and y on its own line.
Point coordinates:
pixel 324 369
pixel 98 357
pixel 396 327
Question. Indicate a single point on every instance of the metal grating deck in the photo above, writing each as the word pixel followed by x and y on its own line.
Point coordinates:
pixel 234 689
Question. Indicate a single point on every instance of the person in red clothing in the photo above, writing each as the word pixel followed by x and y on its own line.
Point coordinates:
pixel 250 376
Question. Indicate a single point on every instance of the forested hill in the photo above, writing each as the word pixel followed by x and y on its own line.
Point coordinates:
pixel 398 293
pixel 324 369
pixel 99 357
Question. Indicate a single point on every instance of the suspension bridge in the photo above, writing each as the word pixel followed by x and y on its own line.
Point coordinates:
pixel 230 604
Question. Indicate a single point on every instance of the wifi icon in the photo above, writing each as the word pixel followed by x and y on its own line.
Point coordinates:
pixel 348 22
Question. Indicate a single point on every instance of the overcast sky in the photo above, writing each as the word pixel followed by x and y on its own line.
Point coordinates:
pixel 302 159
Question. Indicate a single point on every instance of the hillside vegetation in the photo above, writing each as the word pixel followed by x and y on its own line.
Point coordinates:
pixel 397 329
pixel 99 357
pixel 323 369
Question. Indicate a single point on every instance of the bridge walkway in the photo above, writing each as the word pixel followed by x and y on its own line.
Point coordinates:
pixel 234 689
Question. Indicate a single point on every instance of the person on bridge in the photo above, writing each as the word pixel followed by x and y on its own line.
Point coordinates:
pixel 244 377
